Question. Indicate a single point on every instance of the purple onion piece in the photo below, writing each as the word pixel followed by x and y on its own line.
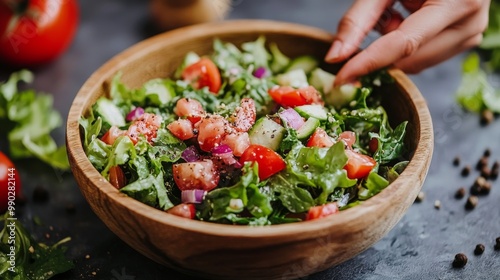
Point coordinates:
pixel 222 149
pixel 190 154
pixel 135 114
pixel 292 118
pixel 193 196
pixel 260 72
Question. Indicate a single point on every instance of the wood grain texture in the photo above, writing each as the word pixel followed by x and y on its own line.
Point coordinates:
pixel 238 252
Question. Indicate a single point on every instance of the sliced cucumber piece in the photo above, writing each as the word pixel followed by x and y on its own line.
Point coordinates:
pixel 280 61
pixel 315 111
pixel 109 112
pixel 322 80
pixel 159 91
pixel 308 128
pixel 305 62
pixel 340 96
pixel 296 78
pixel 267 132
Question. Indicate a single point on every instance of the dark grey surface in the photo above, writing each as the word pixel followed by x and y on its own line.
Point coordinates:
pixel 421 246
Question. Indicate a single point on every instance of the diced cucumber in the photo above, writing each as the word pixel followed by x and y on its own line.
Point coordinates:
pixel 308 128
pixel 280 61
pixel 305 62
pixel 322 80
pixel 109 112
pixel 267 132
pixel 296 78
pixel 159 91
pixel 190 58
pixel 315 111
pixel 340 96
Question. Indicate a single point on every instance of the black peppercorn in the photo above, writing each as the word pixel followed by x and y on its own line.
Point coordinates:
pixel 481 163
pixel 486 188
pixel 460 260
pixel 460 193
pixel 471 202
pixel 485 172
pixel 479 249
pixel 486 117
pixel 456 161
pixel 497 243
pixel 466 171
pixel 487 152
pixel 420 197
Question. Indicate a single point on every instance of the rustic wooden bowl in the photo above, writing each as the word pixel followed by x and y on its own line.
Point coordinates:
pixel 239 252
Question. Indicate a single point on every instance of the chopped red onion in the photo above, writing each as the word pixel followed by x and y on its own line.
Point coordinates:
pixel 260 72
pixel 292 118
pixel 193 196
pixel 135 114
pixel 228 158
pixel 222 149
pixel 190 154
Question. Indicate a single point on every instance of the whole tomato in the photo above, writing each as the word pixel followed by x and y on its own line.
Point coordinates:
pixel 10 185
pixel 34 32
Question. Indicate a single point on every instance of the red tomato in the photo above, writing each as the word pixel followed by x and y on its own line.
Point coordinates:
pixel 110 136
pixel 146 125
pixel 203 73
pixel 322 211
pixel 189 108
pixel 238 142
pixel 117 177
pixel 196 175
pixel 319 139
pixel 358 165
pixel 244 116
pixel 182 129
pixel 10 184
pixel 184 210
pixel 373 145
pixel 291 97
pixel 43 31
pixel 269 161
pixel 211 130
pixel 348 137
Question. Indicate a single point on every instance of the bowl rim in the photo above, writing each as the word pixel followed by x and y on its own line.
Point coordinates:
pixel 418 164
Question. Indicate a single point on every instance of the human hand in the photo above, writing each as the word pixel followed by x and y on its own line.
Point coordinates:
pixel 434 31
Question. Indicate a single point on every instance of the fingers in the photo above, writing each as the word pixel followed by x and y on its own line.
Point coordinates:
pixel 358 21
pixel 412 5
pixel 412 33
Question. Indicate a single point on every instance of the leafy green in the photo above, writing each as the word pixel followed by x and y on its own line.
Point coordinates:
pixel 372 186
pixel 27 119
pixel 21 257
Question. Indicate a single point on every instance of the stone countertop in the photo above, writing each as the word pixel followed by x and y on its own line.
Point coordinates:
pixel 421 246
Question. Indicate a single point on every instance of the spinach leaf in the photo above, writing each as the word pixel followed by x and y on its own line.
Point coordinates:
pixel 372 186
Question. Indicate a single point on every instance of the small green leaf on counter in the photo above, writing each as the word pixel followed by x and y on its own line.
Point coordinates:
pixel 27 119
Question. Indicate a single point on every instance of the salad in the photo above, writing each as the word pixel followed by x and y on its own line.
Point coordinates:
pixel 246 135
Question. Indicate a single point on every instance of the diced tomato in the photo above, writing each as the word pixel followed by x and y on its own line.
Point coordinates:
pixel 238 142
pixel 203 73
pixel 321 211
pixel 110 136
pixel 291 97
pixel 348 137
pixel 211 130
pixel 196 175
pixel 184 210
pixel 358 165
pixel 320 139
pixel 244 116
pixel 117 177
pixel 269 161
pixel 182 129
pixel 189 108
pixel 146 125
pixel 373 145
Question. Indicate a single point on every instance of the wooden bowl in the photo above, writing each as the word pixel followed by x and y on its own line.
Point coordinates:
pixel 218 251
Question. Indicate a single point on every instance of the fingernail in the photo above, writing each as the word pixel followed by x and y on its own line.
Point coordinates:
pixel 333 54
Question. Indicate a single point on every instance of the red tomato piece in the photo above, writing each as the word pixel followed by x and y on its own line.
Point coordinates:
pixel 348 137
pixel 10 183
pixel 184 210
pixel 269 161
pixel 182 129
pixel 320 139
pixel 321 211
pixel 189 108
pixel 110 136
pixel 211 130
pixel 238 142
pixel 244 116
pixel 146 125
pixel 291 97
pixel 358 165
pixel 203 73
pixel 43 30
pixel 117 177
pixel 196 175
pixel 373 145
